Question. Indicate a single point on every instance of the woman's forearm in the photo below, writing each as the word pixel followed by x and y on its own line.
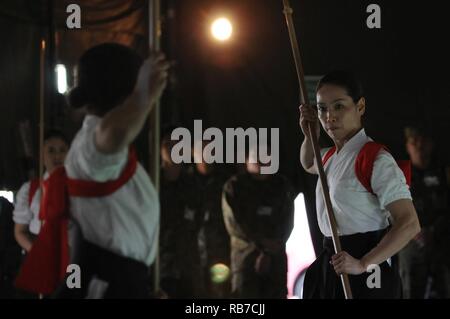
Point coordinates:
pixel 23 237
pixel 402 231
pixel 307 156
pixel 121 125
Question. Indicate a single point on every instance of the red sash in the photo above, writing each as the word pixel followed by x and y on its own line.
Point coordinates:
pixel 45 266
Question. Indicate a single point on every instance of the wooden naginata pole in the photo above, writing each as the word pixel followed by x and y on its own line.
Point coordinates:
pixel 315 144
pixel 154 121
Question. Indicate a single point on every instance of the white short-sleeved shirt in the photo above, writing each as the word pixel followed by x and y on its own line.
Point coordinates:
pixel 357 210
pixel 124 222
pixel 27 214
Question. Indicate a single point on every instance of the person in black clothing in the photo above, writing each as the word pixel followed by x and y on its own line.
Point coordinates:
pixel 213 238
pixel 423 262
pixel 258 211
pixel 181 219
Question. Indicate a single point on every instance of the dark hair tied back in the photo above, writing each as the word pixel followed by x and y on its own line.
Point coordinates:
pixel 345 80
pixel 107 74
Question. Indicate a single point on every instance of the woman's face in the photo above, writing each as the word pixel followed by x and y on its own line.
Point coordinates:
pixel 55 150
pixel 339 115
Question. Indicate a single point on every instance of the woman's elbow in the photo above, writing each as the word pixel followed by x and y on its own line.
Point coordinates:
pixel 19 231
pixel 310 169
pixel 415 227
pixel 412 227
pixel 17 235
pixel 405 216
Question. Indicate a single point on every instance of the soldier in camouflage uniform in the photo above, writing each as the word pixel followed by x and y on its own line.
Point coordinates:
pixel 258 212
pixel 214 241
pixel 180 270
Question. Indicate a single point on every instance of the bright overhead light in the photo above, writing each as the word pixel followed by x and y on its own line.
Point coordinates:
pixel 221 29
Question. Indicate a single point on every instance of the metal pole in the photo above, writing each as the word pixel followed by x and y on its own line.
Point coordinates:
pixel 41 114
pixel 41 107
pixel 154 120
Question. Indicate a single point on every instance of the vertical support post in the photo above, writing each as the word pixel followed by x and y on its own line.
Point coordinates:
pixel 154 120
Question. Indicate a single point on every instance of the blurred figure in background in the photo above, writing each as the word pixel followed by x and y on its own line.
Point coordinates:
pixel 214 241
pixel 10 251
pixel 424 261
pixel 26 211
pixel 258 211
pixel 181 219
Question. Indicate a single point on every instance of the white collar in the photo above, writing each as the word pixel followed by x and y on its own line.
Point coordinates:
pixel 355 142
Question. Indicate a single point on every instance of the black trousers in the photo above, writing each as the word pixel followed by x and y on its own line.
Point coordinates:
pixel 322 282
pixel 126 277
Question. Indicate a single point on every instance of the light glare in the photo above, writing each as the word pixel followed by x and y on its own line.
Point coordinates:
pixel 61 75
pixel 8 195
pixel 221 29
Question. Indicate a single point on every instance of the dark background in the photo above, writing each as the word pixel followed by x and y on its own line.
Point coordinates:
pixel 248 82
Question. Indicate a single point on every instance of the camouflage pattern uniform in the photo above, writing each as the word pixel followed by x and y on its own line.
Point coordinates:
pixel 423 265
pixel 256 211
pixel 181 219
pixel 214 241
